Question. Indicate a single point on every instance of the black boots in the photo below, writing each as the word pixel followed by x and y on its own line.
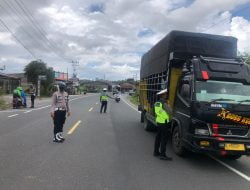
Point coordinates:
pixel 58 138
pixel 164 157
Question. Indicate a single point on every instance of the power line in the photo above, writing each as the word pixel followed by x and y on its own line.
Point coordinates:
pixel 38 35
pixel 40 30
pixel 34 38
pixel 20 42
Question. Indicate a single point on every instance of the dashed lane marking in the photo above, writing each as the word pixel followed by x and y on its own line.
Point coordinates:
pixel 13 115
pixel 90 109
pixel 74 127
pixel 39 108
pixel 28 111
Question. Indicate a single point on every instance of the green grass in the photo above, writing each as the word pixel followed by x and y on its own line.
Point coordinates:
pixel 134 99
pixel 3 104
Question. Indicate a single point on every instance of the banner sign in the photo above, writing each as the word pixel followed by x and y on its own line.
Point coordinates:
pixel 61 76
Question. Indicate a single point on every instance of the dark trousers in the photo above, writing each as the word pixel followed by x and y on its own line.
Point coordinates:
pixel 59 120
pixel 103 105
pixel 32 97
pixel 161 139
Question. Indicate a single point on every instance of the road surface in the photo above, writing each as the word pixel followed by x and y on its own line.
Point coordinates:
pixel 102 152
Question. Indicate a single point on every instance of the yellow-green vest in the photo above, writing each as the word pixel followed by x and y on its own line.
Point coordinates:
pixel 161 115
pixel 104 98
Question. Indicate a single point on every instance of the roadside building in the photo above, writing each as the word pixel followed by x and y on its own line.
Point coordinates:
pixel 125 87
pixel 8 83
pixel 23 80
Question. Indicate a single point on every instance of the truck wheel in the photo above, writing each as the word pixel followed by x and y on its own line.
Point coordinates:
pixel 142 116
pixel 147 125
pixel 232 157
pixel 177 142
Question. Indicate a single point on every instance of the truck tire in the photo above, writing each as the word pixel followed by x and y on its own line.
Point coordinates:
pixel 177 142
pixel 142 116
pixel 147 125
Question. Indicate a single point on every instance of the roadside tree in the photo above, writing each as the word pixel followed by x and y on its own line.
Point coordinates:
pixel 36 68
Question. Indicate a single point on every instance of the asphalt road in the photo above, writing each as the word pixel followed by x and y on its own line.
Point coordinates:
pixel 102 152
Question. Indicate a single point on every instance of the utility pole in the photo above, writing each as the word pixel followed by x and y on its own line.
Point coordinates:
pixel 75 64
pixel 67 74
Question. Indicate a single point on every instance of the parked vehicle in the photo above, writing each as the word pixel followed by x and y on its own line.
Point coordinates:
pixel 208 93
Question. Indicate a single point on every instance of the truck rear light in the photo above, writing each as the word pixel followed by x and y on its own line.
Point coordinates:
pixel 220 139
pixel 215 129
pixel 205 75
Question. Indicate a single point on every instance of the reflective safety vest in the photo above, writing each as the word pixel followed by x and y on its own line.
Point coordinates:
pixel 161 115
pixel 104 98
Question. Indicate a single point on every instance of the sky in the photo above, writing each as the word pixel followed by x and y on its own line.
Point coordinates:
pixel 108 37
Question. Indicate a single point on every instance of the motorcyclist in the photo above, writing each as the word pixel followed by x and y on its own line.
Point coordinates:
pixel 117 97
pixel 17 98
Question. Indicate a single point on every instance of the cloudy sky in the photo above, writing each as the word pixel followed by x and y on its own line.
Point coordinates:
pixel 108 37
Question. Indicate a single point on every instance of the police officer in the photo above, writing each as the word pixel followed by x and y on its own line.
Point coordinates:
pixel 104 100
pixel 32 95
pixel 59 108
pixel 163 125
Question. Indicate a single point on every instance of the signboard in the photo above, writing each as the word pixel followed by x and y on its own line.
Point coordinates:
pixel 61 76
pixel 42 77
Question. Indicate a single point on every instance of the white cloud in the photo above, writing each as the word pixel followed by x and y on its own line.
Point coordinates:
pixel 240 28
pixel 6 39
pixel 110 39
pixel 67 21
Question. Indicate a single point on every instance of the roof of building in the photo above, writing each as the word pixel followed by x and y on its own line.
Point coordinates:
pixel 7 76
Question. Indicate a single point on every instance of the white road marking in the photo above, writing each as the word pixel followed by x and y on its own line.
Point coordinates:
pixel 219 161
pixel 81 97
pixel 90 109
pixel 130 105
pixel 10 111
pixel 96 103
pixel 13 115
pixel 231 168
pixel 28 111
pixel 39 108
pixel 42 107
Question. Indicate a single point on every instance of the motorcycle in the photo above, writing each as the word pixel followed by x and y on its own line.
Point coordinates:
pixel 117 99
pixel 17 103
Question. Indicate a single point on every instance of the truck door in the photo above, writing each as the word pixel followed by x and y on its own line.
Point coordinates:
pixel 182 104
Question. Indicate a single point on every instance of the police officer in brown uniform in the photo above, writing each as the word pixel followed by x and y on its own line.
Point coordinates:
pixel 59 109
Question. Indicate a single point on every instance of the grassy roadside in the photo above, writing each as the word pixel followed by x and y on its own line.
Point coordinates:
pixel 134 99
pixel 3 104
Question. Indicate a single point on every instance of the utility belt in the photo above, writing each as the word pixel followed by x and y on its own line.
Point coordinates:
pixel 60 109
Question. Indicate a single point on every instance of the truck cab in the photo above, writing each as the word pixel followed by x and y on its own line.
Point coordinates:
pixel 208 93
pixel 211 110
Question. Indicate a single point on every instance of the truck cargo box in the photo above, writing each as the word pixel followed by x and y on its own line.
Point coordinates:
pixel 192 44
